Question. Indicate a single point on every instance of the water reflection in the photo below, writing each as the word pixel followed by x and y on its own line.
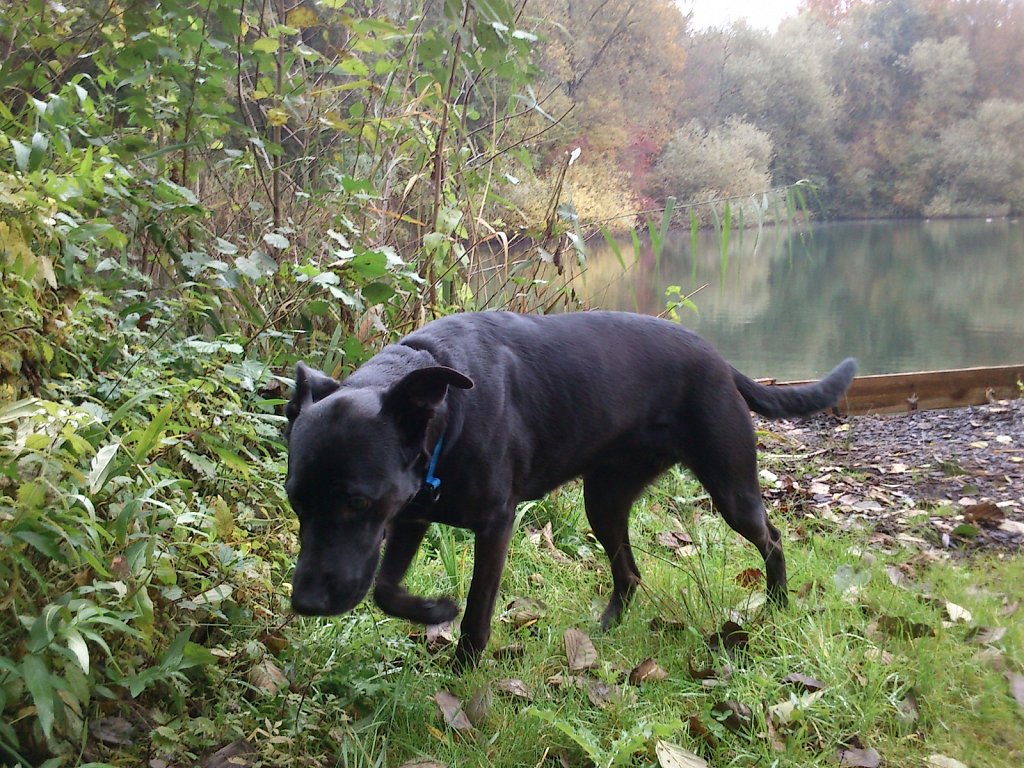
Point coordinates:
pixel 898 295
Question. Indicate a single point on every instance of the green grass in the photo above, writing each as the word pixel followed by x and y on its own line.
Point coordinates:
pixel 362 688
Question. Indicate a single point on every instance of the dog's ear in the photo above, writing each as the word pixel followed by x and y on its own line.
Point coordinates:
pixel 416 397
pixel 310 386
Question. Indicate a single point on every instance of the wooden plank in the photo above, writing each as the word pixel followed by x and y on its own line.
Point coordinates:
pixel 924 390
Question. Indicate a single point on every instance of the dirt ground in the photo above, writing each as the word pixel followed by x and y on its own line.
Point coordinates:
pixel 953 477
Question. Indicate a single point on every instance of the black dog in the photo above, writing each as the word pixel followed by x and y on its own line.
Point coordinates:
pixel 474 413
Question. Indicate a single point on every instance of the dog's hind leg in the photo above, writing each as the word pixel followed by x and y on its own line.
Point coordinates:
pixel 389 594
pixel 609 494
pixel 722 452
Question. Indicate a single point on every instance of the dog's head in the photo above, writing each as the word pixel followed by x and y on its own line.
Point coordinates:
pixel 356 457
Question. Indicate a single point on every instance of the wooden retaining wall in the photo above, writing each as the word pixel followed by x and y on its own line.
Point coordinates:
pixel 902 392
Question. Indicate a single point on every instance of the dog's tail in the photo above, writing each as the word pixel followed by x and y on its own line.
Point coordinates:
pixel 803 400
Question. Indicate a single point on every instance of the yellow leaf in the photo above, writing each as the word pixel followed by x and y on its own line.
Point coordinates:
pixel 301 18
pixel 277 116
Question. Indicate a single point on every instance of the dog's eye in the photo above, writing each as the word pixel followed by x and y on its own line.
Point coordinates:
pixel 358 503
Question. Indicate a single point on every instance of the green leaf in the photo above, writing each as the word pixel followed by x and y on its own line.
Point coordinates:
pixel 152 433
pixel 77 646
pixel 377 293
pixel 22 155
pixel 40 685
pixel 101 467
pixel 266 45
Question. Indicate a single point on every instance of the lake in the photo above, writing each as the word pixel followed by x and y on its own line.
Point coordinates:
pixel 790 303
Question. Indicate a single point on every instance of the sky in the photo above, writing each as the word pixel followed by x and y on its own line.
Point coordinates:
pixel 758 13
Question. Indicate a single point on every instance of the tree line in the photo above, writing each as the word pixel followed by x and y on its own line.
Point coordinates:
pixel 890 107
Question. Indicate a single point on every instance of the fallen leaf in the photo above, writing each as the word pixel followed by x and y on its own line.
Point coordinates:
pixel 524 611
pixel 750 577
pixel 510 651
pixel 647 670
pixel 599 693
pixel 879 655
pixel 579 650
pixel 1017 688
pixel 451 710
pixel 267 678
pixel 722 673
pixel 985 635
pixel 734 715
pixel 786 711
pixel 423 762
pixel 479 707
pixel 847 577
pixel 672 756
pixel 730 637
pixel 859 757
pixel 701 732
pixel 234 755
pixel 941 761
pixel 115 731
pixel 658 624
pixel 957 613
pixel 440 636
pixel 514 687
pixel 803 682
pixel 901 626
pixel 985 513
pixel 907 710
pixel 1012 526
pixel 897 577
pixel 673 539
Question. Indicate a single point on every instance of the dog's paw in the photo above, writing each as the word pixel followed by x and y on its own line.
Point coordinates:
pixel 438 610
pixel 397 602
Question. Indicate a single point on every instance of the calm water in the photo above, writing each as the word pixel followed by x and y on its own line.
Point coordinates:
pixel 898 295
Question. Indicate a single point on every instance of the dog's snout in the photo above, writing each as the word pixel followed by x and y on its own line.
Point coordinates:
pixel 311 602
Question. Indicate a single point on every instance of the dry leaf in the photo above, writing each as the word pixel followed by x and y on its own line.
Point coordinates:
pixel 659 624
pixel 234 755
pixel 710 676
pixel 579 650
pixel 957 613
pixel 1017 688
pixel 985 635
pixel 803 682
pixel 701 732
pixel 1012 526
pixel 451 710
pixel 673 539
pixel 672 756
pixel 784 712
pixel 514 687
pixel 479 707
pixel 898 626
pixel 750 577
pixel 984 513
pixel 510 651
pixel 440 636
pixel 647 670
pixel 267 678
pixel 908 712
pixel 115 731
pixel 524 611
pixel 730 637
pixel 423 762
pixel 941 761
pixel 859 757
pixel 734 715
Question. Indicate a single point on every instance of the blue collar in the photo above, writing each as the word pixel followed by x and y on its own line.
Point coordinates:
pixel 432 483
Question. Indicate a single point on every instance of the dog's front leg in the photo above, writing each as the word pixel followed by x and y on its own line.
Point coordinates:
pixel 490 551
pixel 394 599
